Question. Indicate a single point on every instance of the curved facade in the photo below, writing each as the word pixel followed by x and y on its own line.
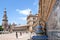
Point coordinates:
pixel 53 21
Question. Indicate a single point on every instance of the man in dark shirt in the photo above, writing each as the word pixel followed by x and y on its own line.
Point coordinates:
pixel 16 35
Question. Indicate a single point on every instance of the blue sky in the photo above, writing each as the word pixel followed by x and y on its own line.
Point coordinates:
pixel 17 10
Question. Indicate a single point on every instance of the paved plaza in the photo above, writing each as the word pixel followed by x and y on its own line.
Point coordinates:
pixel 12 36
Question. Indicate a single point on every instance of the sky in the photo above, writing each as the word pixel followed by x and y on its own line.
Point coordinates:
pixel 18 10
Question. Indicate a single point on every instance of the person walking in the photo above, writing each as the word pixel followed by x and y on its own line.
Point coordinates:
pixel 16 35
pixel 20 33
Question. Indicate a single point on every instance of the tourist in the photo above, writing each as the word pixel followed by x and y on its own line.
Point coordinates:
pixel 16 35
pixel 20 33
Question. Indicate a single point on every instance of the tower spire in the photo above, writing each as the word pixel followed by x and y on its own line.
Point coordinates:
pixel 5 10
pixel 30 13
pixel 5 21
pixel 5 15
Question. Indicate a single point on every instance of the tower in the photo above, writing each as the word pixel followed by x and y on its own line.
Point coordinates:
pixel 5 21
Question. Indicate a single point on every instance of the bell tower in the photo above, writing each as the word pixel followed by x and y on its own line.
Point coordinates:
pixel 5 21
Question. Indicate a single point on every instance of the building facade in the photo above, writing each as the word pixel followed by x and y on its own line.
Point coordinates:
pixel 21 28
pixel 44 12
pixel 31 19
pixel 53 22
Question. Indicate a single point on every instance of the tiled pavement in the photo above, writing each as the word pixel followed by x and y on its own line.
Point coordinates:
pixel 12 36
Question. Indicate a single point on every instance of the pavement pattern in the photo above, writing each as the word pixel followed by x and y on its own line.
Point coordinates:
pixel 12 36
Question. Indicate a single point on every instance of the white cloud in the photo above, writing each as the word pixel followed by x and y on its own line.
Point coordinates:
pixel 25 12
pixel 23 18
